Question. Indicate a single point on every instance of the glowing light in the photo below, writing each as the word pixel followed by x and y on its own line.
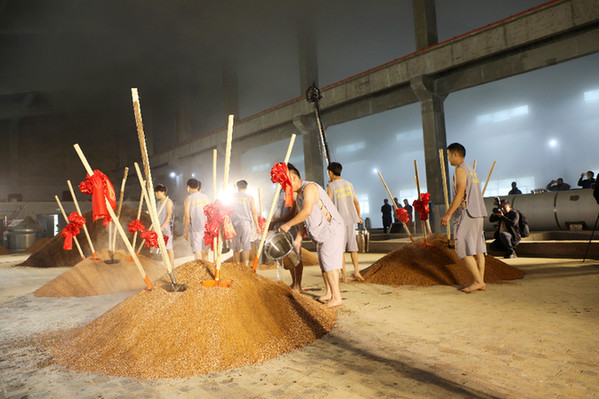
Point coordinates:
pixel 553 143
pixel 173 175
pixel 193 175
pixel 375 171
pixel 591 96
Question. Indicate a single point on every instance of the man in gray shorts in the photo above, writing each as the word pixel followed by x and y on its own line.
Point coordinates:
pixel 470 213
pixel 245 213
pixel 342 193
pixel 317 215
pixel 194 219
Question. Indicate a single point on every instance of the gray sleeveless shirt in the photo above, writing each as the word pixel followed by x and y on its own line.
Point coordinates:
pixel 317 224
pixel 343 198
pixel 197 202
pixel 474 204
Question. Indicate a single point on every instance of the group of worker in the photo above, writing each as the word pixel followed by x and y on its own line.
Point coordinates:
pixel 329 217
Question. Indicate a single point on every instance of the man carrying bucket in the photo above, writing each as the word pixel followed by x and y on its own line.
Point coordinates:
pixel 320 218
pixel 342 193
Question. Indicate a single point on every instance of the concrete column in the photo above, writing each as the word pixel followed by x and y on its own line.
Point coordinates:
pixel 230 90
pixel 425 23
pixel 313 159
pixel 434 136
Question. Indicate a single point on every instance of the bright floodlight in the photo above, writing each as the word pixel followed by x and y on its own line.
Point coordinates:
pixel 375 171
pixel 193 175
pixel 173 175
pixel 552 143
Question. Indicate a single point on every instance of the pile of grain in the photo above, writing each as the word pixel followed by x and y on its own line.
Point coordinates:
pixel 36 246
pixel 414 264
pixel 159 334
pixel 89 278
pixel 4 251
pixel 52 254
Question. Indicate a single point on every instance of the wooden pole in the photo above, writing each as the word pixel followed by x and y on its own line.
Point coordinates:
pixel 141 203
pixel 214 160
pixel 228 152
pixel 474 165
pixel 146 162
pixel 89 240
pixel 117 225
pixel 445 189
pixel 489 177
pixel 272 207
pixel 120 207
pixel 141 244
pixel 405 226
pixel 64 214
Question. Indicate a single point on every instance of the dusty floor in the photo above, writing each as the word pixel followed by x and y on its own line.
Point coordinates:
pixel 530 338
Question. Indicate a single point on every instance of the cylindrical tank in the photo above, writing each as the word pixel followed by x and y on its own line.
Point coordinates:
pixel 548 211
pixel 49 223
pixel 23 235
pixel 363 239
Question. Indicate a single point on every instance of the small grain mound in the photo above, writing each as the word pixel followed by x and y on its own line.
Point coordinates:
pixel 4 251
pixel 160 334
pixel 90 278
pixel 53 255
pixel 415 264
pixel 36 246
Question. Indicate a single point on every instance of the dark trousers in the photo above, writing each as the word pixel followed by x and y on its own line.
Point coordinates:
pixel 503 243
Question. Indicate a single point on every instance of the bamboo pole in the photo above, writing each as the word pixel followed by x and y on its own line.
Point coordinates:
pixel 445 190
pixel 474 165
pixel 272 207
pixel 146 162
pixel 120 207
pixel 141 203
pixel 64 214
pixel 405 226
pixel 489 177
pixel 228 152
pixel 89 240
pixel 117 225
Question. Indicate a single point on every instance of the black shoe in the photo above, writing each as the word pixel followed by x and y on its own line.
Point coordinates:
pixel 510 255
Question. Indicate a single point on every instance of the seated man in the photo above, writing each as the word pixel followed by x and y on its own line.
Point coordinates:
pixel 507 235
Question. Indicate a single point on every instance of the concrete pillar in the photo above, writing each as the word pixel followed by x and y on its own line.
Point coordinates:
pixel 313 159
pixel 230 90
pixel 425 23
pixel 434 137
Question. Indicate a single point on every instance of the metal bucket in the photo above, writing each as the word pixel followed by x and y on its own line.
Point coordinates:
pixel 363 239
pixel 279 245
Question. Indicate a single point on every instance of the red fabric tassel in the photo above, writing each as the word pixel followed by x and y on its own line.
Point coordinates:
pixel 79 221
pixel 136 225
pixel 217 214
pixel 100 187
pixel 152 238
pixel 280 174
pixel 402 215
pixel 421 206
pixel 261 224
pixel 71 230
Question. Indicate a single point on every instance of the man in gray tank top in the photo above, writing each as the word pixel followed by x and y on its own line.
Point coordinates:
pixel 318 216
pixel 245 213
pixel 470 213
pixel 195 219
pixel 342 193
pixel 166 218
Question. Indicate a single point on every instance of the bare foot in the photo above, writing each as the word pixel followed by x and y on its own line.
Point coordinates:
pixel 324 298
pixel 474 287
pixel 333 304
pixel 297 289
pixel 358 276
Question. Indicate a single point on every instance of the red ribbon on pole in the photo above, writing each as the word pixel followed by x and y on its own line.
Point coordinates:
pixel 217 214
pixel 261 223
pixel 99 186
pixel 135 226
pixel 421 206
pixel 402 215
pixel 69 231
pixel 280 174
pixel 152 238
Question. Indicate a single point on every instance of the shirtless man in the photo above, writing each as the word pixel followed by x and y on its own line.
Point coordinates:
pixel 245 213
pixel 470 214
pixel 194 216
pixel 319 217
pixel 342 193
pixel 166 219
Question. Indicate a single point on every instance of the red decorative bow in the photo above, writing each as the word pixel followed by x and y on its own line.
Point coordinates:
pixel 136 225
pixel 100 187
pixel 280 174
pixel 402 215
pixel 261 223
pixel 421 206
pixel 152 238
pixel 74 218
pixel 217 214
pixel 71 230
